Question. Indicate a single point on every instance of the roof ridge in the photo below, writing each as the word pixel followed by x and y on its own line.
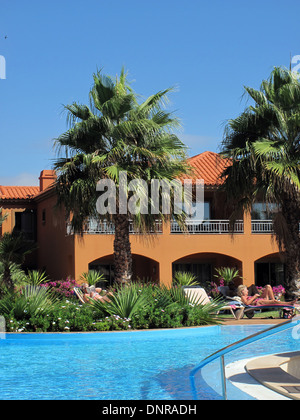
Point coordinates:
pixel 209 166
pixel 19 186
pixel 18 191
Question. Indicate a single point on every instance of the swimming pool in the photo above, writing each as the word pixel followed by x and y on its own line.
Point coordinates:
pixel 137 365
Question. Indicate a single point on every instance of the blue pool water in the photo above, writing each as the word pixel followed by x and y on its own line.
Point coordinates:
pixel 139 365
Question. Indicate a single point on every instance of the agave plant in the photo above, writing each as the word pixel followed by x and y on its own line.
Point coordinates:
pixel 182 278
pixel 31 302
pixel 126 300
pixel 176 297
pixel 36 277
pixel 92 277
pixel 227 274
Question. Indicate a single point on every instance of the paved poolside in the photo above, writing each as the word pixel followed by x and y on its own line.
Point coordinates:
pixel 253 321
pixel 237 372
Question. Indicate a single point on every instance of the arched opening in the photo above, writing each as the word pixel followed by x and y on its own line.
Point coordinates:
pixel 143 268
pixel 203 266
pixel 270 269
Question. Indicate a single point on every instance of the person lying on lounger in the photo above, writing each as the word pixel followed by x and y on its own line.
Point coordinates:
pixel 94 294
pixel 266 298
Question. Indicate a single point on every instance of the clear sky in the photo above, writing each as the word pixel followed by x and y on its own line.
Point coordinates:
pixel 208 49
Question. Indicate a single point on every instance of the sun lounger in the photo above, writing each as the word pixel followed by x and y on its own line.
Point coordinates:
pixel 198 296
pixel 250 309
pixel 78 292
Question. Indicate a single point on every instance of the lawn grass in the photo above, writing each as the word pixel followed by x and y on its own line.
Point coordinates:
pixel 261 315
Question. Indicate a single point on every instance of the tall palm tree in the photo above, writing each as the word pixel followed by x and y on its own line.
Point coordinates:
pixel 263 143
pixel 116 135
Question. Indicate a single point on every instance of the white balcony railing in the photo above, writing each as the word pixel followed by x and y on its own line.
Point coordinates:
pixel 262 226
pixel 194 227
pixel 209 227
pixel 93 226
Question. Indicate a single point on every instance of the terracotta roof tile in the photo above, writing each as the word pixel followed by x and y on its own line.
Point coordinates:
pixel 208 166
pixel 17 193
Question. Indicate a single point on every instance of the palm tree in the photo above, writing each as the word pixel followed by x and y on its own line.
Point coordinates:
pixel 2 217
pixel 115 135
pixel 13 250
pixel 263 143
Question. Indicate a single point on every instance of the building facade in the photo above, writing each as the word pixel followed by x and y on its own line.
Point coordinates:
pixel 206 245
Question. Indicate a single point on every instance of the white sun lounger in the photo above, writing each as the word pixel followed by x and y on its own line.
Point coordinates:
pixel 198 295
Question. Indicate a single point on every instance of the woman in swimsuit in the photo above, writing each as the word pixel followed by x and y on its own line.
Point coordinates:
pixel 266 298
pixel 94 294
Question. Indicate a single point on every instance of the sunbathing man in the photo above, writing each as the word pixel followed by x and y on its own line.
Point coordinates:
pixel 266 298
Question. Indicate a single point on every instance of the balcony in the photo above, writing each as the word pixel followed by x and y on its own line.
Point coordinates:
pixel 208 227
pixel 97 227
pixel 262 226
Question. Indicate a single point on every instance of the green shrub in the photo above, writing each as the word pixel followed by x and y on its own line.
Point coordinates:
pixel 132 307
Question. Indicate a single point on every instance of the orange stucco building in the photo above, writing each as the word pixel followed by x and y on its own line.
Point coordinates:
pixel 207 245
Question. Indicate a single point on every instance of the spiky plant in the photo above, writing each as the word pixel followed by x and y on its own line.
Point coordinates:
pixel 92 277
pixel 36 277
pixel 32 301
pixel 124 301
pixel 227 274
pixel 182 278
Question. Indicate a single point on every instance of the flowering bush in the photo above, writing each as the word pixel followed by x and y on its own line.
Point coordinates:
pixel 62 287
pixel 66 316
pixel 214 293
pixel 277 290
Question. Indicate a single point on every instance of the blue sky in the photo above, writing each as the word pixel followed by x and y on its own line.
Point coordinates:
pixel 208 49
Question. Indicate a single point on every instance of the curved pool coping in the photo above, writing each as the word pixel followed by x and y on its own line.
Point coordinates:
pixel 237 375
pixel 277 372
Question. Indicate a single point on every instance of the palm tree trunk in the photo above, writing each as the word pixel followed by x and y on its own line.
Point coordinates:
pixel 291 243
pixel 122 250
pixel 7 280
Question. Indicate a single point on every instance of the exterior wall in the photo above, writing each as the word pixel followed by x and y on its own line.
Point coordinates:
pixel 55 248
pixel 165 249
pixel 11 209
pixel 63 255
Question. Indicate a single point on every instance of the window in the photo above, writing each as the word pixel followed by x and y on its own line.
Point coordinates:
pixel 202 272
pixel 199 210
pixel 207 210
pixel 263 211
pixel 269 273
pixel 25 222
pixel 44 216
